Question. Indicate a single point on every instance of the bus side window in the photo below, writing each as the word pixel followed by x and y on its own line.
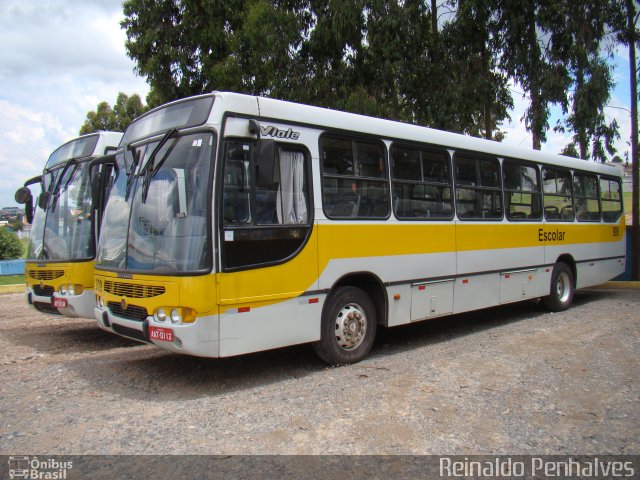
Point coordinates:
pixel 354 178
pixel 421 183
pixel 611 199
pixel 478 189
pixel 521 191
pixel 263 223
pixel 558 194
pixel 587 197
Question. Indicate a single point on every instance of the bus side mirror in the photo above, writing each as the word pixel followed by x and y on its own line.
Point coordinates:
pixel 24 197
pixel 266 163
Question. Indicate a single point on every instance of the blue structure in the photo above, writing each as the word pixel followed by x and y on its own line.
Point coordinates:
pixel 626 276
pixel 12 267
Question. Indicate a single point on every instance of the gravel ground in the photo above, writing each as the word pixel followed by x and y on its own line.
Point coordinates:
pixel 510 380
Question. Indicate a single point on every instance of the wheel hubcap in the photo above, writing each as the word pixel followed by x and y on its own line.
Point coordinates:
pixel 351 326
pixel 563 287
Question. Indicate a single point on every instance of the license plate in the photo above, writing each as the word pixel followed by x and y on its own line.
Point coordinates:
pixel 59 302
pixel 160 333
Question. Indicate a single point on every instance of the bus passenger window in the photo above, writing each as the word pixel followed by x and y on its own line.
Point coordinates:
pixel 611 199
pixel 521 191
pixel 587 197
pixel 558 194
pixel 478 190
pixel 354 179
pixel 421 183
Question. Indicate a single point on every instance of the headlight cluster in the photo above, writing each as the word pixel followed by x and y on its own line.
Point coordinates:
pixel 70 290
pixel 174 315
pixel 99 301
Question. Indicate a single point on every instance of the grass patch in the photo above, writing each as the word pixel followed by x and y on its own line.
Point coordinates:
pixel 25 247
pixel 11 279
pixel 626 198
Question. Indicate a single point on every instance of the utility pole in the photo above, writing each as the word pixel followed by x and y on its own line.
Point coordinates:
pixel 635 195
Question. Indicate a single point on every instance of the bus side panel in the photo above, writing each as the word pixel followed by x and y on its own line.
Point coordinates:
pixel 271 307
pixel 281 324
pixel 398 255
pixel 597 249
pixel 498 249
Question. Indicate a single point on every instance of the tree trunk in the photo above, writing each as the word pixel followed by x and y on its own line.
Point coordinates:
pixel 434 17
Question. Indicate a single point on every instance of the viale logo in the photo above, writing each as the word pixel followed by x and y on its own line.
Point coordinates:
pixel 271 131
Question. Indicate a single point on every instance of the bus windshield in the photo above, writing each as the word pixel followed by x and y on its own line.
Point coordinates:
pixel 64 229
pixel 156 216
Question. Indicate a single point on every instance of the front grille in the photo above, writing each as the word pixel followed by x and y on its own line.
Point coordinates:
pixel 132 290
pixel 44 291
pixel 45 274
pixel 129 332
pixel 132 312
pixel 46 308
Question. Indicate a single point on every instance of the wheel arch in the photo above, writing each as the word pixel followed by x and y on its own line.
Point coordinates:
pixel 371 284
pixel 570 261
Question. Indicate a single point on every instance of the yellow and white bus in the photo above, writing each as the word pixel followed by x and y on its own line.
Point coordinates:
pixel 239 224
pixel 59 266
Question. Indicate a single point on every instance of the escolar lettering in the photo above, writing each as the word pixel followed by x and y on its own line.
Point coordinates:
pixel 553 236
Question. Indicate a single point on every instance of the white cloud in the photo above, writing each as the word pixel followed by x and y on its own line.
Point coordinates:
pixel 59 59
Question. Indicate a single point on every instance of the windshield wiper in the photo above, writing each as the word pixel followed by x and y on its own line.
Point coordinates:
pixel 149 169
pixel 130 170
pixel 56 188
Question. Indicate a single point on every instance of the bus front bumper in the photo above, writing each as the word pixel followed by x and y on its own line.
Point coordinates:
pixel 199 338
pixel 75 305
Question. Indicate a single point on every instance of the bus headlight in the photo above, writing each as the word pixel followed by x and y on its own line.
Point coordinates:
pixel 177 315
pixel 100 302
pixel 72 290
pixel 160 315
pixel 63 289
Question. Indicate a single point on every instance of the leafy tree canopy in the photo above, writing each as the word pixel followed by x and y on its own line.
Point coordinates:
pixel 104 117
pixel 10 246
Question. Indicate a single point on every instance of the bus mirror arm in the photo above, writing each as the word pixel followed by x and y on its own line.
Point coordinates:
pixel 266 162
pixel 254 128
pixel 43 200
pixel 96 173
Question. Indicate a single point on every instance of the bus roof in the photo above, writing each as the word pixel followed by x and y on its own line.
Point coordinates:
pixel 93 144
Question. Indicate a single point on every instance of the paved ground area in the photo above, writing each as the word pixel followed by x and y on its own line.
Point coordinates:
pixel 508 380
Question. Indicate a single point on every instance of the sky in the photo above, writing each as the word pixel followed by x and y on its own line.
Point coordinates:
pixel 60 58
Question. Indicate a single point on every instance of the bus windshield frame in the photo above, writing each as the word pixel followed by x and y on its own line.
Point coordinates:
pixel 157 217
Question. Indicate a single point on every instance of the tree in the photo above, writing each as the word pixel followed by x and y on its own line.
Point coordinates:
pixel 375 57
pixel 117 118
pixel 482 97
pixel 578 38
pixel 570 151
pixel 10 246
pixel 520 30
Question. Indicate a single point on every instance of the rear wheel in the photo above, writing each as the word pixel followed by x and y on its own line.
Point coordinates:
pixel 562 287
pixel 348 327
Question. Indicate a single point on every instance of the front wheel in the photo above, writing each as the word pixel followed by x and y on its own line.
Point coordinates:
pixel 348 327
pixel 562 287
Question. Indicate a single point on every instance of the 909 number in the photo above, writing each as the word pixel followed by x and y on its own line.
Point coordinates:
pixel 616 232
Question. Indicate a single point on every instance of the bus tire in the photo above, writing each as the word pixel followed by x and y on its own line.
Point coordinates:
pixel 562 288
pixel 348 327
